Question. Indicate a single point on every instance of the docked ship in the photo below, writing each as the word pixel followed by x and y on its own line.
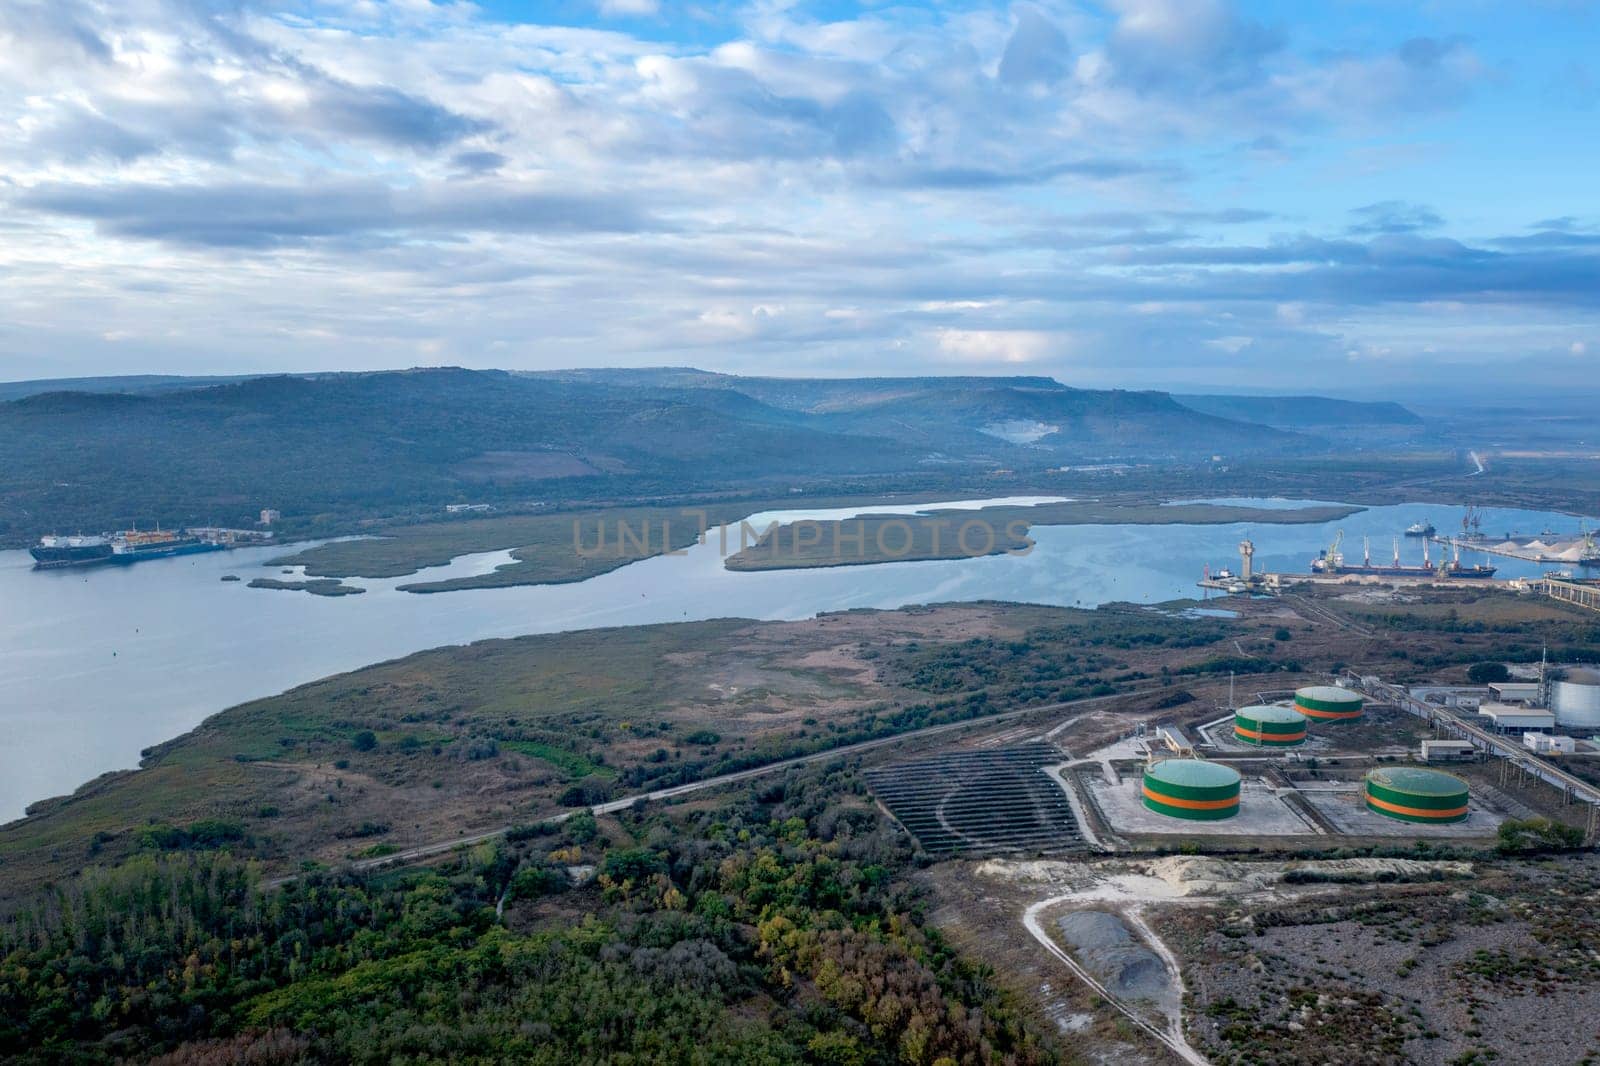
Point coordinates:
pixel 1421 529
pixel 132 545
pixel 1331 561
pixel 53 553
pixel 128 546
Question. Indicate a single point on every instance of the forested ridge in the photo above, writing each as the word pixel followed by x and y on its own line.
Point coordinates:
pixel 777 927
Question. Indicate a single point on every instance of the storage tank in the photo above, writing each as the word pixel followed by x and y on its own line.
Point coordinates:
pixel 1575 698
pixel 1270 726
pixel 1328 703
pixel 1412 794
pixel 1192 789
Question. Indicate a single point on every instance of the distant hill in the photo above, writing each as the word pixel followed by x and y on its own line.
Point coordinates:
pixel 362 443
pixel 332 448
pixel 16 390
pixel 962 415
pixel 1305 413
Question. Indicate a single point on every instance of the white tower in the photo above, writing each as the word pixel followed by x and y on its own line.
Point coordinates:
pixel 1247 551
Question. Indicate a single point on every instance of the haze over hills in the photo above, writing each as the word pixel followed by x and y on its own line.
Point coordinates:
pixel 348 445
pixel 1305 412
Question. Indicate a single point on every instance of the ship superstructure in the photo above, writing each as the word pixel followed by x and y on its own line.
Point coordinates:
pixel 52 552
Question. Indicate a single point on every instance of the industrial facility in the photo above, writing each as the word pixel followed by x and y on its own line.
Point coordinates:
pixel 1185 775
pixel 1269 726
pixel 1412 794
pixel 1328 703
pixel 1192 789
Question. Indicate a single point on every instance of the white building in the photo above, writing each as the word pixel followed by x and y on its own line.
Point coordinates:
pixel 1515 718
pixel 1451 750
pixel 1515 691
pixel 1545 744
pixel 269 515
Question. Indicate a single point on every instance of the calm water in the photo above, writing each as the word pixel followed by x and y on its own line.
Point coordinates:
pixel 97 664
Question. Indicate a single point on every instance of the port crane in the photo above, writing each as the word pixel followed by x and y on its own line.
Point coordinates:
pixel 1589 555
pixel 1335 557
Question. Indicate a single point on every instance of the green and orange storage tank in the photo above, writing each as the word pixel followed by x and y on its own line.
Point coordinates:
pixel 1412 794
pixel 1191 789
pixel 1269 726
pixel 1328 703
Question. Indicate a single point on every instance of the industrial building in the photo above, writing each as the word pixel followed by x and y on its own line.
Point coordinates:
pixel 1191 789
pixel 1176 740
pixel 1328 703
pixel 1449 750
pixel 1575 697
pixel 1412 794
pixel 1515 718
pixel 1545 744
pixel 1516 691
pixel 1269 726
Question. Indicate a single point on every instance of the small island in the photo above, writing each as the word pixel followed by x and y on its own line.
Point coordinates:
pixel 317 586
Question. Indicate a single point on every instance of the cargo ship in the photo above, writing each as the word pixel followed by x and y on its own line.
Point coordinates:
pixel 128 546
pixel 132 546
pixel 53 553
pixel 1421 529
pixel 1331 561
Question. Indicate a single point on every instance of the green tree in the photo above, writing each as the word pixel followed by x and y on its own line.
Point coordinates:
pixel 1487 673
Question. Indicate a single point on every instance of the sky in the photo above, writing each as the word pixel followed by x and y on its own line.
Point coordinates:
pixel 1367 198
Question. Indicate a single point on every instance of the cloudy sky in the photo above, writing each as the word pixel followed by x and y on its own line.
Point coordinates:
pixel 1349 196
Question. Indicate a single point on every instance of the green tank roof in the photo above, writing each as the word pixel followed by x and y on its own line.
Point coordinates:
pixel 1193 773
pixel 1271 713
pixel 1328 694
pixel 1416 781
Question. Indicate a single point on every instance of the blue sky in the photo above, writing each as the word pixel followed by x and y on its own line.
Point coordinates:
pixel 1355 197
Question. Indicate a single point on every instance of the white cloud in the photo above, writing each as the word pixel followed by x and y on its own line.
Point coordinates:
pixel 983 184
pixel 1231 345
pixel 628 8
pixel 985 346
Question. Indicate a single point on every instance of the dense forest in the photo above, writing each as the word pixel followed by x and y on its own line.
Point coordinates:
pixel 778 926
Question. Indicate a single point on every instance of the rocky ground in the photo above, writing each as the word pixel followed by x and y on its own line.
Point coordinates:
pixel 1500 967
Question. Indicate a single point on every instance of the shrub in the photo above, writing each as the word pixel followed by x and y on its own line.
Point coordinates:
pixel 587 792
pixel 475 749
pixel 531 882
pixel 1487 673
pixel 365 740
pixel 1518 836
